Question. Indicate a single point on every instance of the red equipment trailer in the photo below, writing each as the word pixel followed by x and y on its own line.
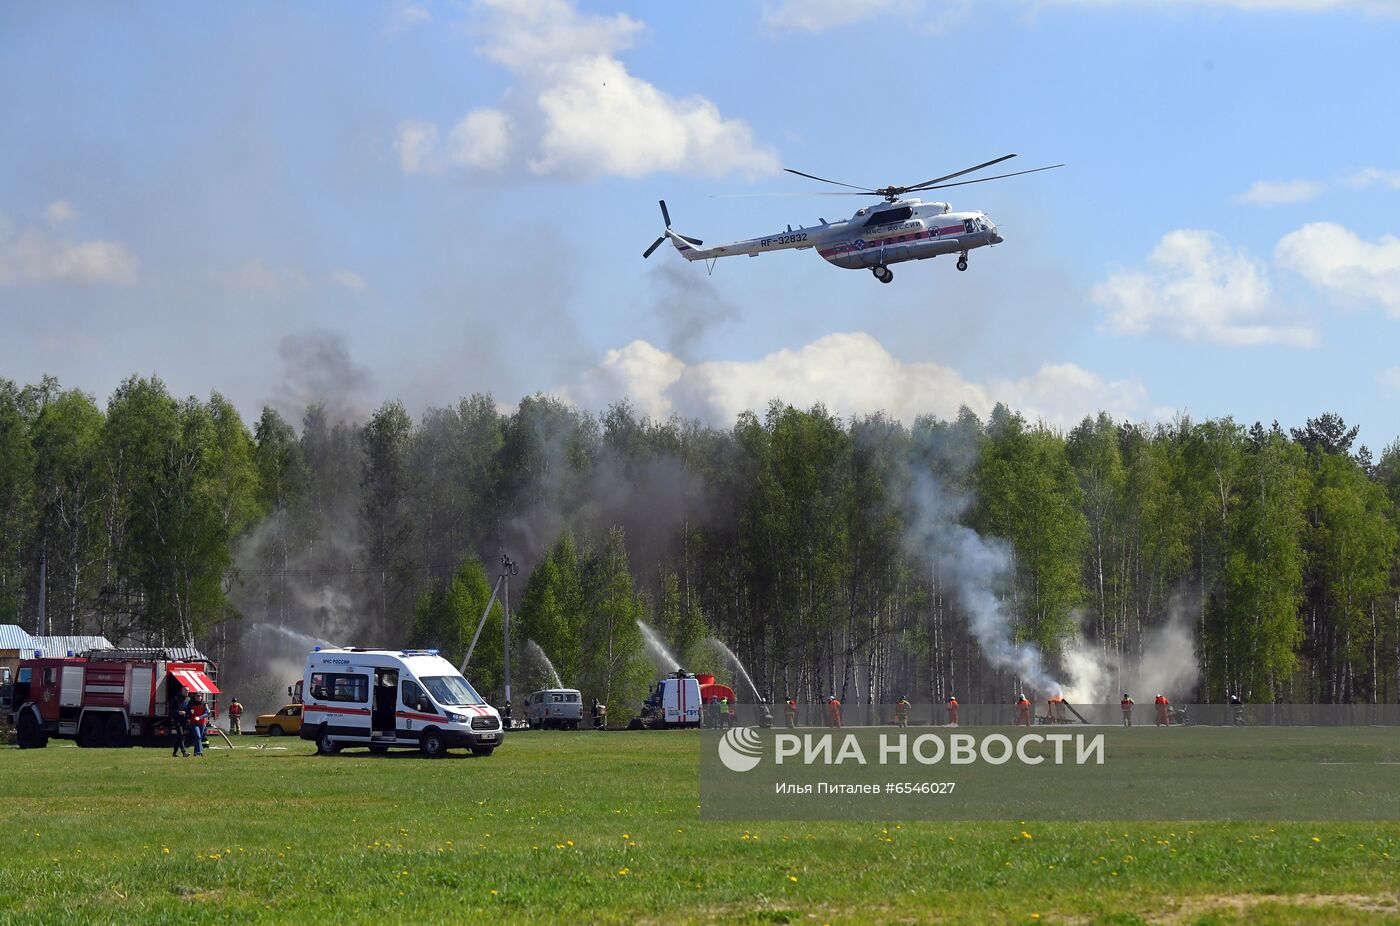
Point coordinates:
pixel 104 697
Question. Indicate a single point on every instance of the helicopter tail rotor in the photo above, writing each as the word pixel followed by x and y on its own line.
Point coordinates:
pixel 666 215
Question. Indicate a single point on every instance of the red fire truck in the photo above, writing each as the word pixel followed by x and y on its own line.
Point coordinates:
pixel 103 697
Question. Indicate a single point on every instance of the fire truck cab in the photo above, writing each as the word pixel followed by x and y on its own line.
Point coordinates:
pixel 102 697
pixel 393 698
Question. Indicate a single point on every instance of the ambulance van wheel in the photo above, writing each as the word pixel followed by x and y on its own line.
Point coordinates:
pixel 325 745
pixel 29 734
pixel 432 744
pixel 483 751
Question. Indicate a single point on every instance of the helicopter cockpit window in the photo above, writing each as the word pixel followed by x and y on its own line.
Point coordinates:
pixel 886 216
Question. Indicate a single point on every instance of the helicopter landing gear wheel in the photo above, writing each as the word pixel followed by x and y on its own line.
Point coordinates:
pixel 962 261
pixel 882 273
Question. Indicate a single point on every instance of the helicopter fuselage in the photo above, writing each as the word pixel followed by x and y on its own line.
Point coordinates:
pixel 891 232
pixel 875 237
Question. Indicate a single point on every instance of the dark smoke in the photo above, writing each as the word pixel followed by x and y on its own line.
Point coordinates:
pixel 689 308
pixel 317 370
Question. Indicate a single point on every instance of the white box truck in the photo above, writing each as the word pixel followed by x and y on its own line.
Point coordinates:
pixel 393 698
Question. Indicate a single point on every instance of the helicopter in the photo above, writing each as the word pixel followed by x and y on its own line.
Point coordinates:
pixel 874 237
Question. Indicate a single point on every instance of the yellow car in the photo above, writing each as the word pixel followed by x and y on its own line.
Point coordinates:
pixel 286 722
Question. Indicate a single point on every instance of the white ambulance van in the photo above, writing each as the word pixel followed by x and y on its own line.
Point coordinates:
pixel 393 698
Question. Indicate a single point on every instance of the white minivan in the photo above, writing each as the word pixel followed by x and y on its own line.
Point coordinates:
pixel 393 698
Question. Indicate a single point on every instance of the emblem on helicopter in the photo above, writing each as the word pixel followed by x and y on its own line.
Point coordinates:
pixel 903 227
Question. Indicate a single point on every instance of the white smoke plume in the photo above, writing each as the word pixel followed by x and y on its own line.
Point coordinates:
pixel 1168 665
pixel 979 571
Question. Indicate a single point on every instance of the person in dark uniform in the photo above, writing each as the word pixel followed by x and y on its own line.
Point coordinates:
pixel 180 723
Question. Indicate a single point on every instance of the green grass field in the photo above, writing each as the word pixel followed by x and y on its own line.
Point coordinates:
pixel 587 827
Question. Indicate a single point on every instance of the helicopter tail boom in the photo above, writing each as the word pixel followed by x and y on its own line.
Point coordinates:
pixel 689 247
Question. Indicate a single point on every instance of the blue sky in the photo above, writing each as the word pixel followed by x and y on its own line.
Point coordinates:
pixel 355 202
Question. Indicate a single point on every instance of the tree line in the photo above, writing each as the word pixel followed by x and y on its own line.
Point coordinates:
pixel 797 537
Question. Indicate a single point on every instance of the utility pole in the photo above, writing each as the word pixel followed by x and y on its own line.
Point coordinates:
pixel 508 569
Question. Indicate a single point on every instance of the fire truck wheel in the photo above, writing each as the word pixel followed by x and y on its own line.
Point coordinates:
pixel 89 733
pixel 29 734
pixel 118 737
pixel 325 745
pixel 432 744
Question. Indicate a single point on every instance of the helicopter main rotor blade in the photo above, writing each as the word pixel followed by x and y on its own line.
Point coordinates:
pixel 944 186
pixel 654 245
pixel 665 214
pixel 969 170
pixel 824 180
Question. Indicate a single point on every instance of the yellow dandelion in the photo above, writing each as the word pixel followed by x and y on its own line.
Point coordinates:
pixel 792 878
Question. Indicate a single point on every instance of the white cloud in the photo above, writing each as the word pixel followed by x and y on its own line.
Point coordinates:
pixel 850 373
pixel 1374 175
pixel 481 140
pixel 578 110
pixel 256 276
pixel 415 143
pixel 1389 380
pixel 1280 192
pixel 1197 288
pixel 820 15
pixel 60 212
pixel 408 15
pixel 1378 7
pixel 348 279
pixel 527 34
pixel 1334 258
pixel 601 119
pixel 30 255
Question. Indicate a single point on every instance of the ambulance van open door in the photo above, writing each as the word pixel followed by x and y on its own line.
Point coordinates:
pixel 386 698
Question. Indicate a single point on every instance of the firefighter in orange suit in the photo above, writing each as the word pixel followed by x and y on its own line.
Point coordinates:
pixel 790 711
pixel 1023 711
pixel 833 712
pixel 901 712
pixel 1164 717
pixel 952 710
